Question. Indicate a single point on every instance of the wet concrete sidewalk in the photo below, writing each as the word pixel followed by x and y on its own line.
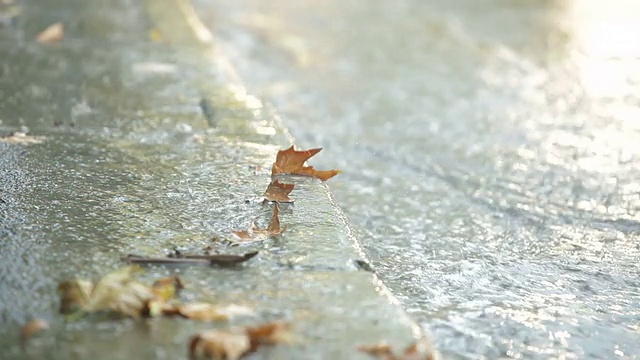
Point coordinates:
pixel 146 142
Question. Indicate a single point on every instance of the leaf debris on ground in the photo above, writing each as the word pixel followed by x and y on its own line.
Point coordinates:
pixel 421 349
pixel 236 343
pixel 20 138
pixel 53 33
pixel 254 234
pixel 290 161
pixel 120 293
pixel 278 192
pixel 32 328
pixel 210 312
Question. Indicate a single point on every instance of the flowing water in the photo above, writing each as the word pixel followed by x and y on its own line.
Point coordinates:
pixel 489 151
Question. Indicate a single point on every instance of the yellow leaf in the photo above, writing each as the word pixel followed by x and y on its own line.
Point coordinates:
pixel 120 292
pixel 74 295
pixel 165 289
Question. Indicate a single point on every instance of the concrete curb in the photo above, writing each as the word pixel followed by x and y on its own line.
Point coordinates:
pixel 142 170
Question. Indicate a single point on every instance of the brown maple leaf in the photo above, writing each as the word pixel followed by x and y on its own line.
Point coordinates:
pixel 278 192
pixel 253 234
pixel 290 161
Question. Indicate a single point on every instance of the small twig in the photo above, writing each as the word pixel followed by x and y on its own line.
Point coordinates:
pixel 218 259
pixel 136 259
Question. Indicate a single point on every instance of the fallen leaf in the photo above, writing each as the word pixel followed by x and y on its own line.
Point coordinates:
pixel 210 312
pixel 381 350
pixel 53 33
pixel 74 295
pixel 166 288
pixel 218 345
pixel 120 292
pixel 274 225
pixel 419 350
pixel 278 192
pixel 157 307
pixel 117 291
pixel 290 161
pixel 234 344
pixel 254 234
pixel 20 138
pixel 33 327
pixel 272 333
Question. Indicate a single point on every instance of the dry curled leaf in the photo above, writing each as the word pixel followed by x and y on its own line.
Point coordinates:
pixel 419 350
pixel 219 345
pixel 272 333
pixel 166 288
pixel 33 327
pixel 20 138
pixel 234 344
pixel 290 161
pixel 381 350
pixel 278 192
pixel 210 312
pixel 74 295
pixel 253 234
pixel 53 33
pixel 119 292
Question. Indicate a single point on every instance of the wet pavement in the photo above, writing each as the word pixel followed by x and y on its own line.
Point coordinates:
pixel 490 155
pixel 146 144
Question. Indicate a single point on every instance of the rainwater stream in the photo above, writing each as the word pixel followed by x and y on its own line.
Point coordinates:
pixel 489 152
